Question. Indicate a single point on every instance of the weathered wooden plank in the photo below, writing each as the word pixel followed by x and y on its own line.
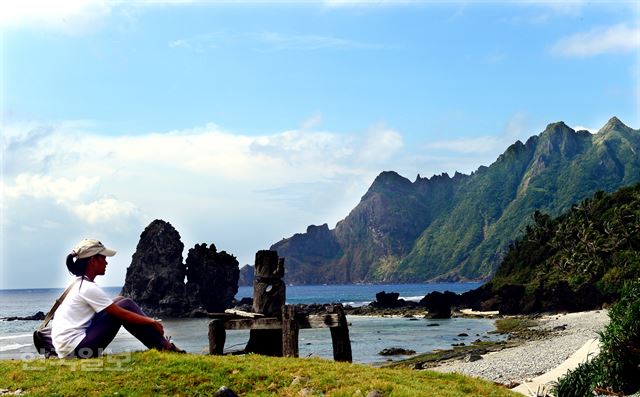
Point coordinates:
pixel 253 323
pixel 329 320
pixel 242 313
pixel 290 332
pixel 314 321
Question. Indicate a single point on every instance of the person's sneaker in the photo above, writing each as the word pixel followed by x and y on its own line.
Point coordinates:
pixel 176 349
pixel 171 347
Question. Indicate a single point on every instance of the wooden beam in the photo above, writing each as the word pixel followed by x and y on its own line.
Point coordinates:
pixel 242 313
pixel 315 321
pixel 253 323
pixel 320 321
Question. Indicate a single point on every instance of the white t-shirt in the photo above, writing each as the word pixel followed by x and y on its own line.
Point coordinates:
pixel 75 313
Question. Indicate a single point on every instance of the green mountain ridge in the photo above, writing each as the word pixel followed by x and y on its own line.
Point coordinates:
pixel 459 228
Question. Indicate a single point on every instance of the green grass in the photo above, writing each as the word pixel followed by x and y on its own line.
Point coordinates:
pixel 427 360
pixel 513 324
pixel 155 373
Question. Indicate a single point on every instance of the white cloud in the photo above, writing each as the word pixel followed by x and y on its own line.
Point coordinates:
pixel 66 15
pixel 381 144
pixel 105 210
pixel 62 190
pixel 591 130
pixel 619 38
pixel 241 192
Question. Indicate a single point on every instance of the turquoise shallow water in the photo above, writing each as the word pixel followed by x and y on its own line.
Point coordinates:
pixel 368 335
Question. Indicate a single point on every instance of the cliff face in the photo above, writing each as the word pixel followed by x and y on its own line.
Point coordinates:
pixel 459 228
pixel 156 277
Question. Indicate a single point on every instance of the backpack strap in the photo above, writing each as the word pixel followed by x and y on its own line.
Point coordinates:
pixel 55 306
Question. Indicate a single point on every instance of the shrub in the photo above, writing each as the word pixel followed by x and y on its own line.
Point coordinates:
pixel 617 366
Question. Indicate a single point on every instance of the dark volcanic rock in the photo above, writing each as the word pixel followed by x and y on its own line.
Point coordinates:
pixel 155 278
pixel 212 278
pixel 39 316
pixel 396 351
pixel 439 304
pixel 387 299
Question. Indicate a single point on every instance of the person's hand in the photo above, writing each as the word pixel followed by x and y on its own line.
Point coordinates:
pixel 158 327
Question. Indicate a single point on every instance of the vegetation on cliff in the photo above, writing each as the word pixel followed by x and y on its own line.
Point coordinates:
pixel 575 261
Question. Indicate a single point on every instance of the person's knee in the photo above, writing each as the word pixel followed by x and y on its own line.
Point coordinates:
pixel 129 304
pixel 125 303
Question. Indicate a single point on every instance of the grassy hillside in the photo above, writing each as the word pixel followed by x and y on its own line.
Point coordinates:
pixel 153 373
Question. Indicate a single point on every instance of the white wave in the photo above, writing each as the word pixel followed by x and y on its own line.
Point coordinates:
pixel 412 298
pixel 14 346
pixel 15 336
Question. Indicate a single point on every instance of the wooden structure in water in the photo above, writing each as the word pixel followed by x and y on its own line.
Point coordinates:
pixel 274 326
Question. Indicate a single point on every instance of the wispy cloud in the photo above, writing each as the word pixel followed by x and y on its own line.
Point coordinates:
pixel 478 145
pixel 620 38
pixel 371 3
pixel 71 16
pixel 313 121
pixel 517 127
pixel 277 41
pixel 269 41
pixel 381 144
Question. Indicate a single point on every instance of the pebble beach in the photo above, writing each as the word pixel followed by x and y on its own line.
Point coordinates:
pixel 568 333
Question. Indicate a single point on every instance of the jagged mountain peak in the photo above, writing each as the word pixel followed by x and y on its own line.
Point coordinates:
pixel 389 177
pixel 389 180
pixel 558 127
pixel 614 124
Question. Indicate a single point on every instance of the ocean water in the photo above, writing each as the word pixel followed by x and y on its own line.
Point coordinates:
pixel 369 335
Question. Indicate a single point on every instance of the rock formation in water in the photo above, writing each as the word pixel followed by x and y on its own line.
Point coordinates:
pixel 212 278
pixel 155 278
pixel 157 275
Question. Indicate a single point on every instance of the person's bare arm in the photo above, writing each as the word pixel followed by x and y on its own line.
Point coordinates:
pixel 133 318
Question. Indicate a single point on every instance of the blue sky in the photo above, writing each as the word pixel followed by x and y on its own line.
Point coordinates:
pixel 242 123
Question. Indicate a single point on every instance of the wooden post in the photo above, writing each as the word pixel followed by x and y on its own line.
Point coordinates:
pixel 290 332
pixel 340 336
pixel 269 290
pixel 268 298
pixel 217 337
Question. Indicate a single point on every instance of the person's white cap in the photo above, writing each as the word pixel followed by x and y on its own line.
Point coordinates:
pixel 90 247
